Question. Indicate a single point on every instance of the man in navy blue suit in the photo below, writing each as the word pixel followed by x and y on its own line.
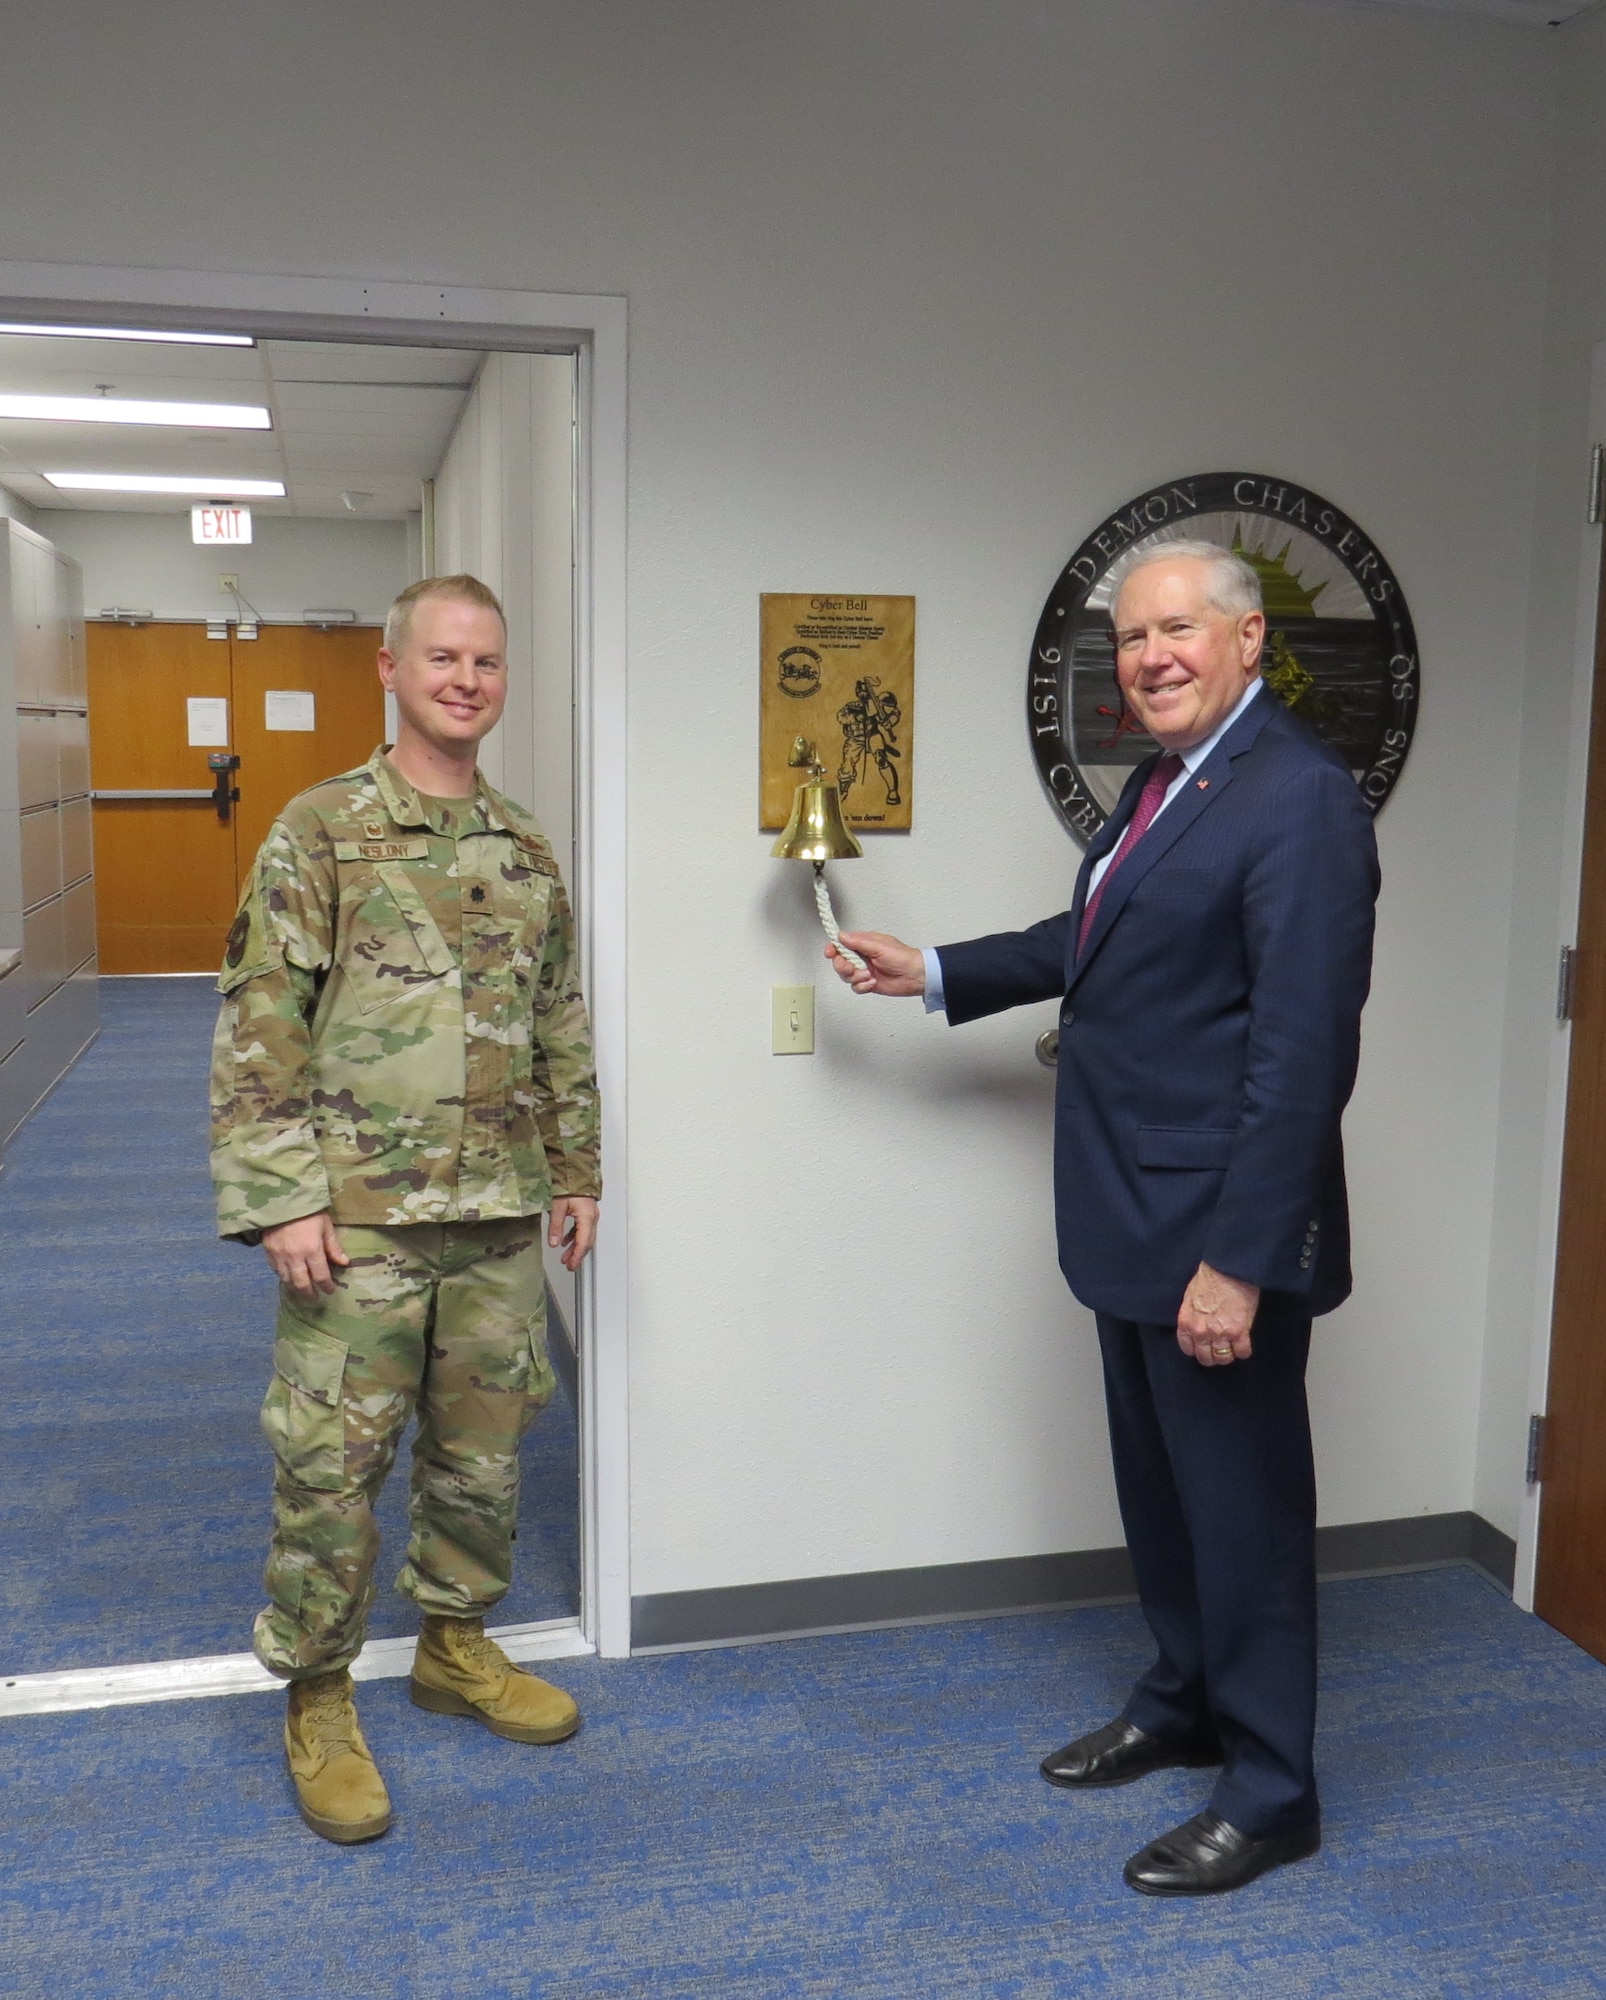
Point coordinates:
pixel 1211 971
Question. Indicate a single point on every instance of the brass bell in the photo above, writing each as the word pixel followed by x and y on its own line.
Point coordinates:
pixel 816 831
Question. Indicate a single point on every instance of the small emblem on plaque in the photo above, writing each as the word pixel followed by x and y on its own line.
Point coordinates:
pixel 799 672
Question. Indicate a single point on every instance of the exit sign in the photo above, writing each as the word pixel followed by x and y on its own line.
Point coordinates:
pixel 220 524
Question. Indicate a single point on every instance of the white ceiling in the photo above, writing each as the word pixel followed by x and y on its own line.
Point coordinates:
pixel 1528 13
pixel 346 419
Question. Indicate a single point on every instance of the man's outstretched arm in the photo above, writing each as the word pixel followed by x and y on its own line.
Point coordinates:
pixel 981 976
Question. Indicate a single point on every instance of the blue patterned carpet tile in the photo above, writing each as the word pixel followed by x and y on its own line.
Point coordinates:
pixel 705 1836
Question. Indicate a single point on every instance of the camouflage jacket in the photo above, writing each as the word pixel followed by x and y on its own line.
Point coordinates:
pixel 402 1036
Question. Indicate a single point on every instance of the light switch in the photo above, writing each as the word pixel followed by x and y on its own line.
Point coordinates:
pixel 792 1018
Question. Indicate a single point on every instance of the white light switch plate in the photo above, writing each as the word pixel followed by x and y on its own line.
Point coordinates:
pixel 792 1020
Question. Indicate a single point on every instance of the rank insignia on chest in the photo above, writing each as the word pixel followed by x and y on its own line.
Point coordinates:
pixel 477 893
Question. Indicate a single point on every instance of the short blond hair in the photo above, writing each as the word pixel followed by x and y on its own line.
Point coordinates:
pixel 465 589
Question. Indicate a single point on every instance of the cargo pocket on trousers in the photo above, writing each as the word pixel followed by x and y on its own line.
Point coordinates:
pixel 302 1413
pixel 543 1382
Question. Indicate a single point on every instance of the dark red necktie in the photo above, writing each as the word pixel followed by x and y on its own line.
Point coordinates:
pixel 1149 803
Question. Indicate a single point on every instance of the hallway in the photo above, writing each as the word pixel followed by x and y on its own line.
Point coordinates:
pixel 133 1478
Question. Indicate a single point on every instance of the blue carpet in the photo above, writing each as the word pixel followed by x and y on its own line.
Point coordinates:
pixel 135 1349
pixel 854 1818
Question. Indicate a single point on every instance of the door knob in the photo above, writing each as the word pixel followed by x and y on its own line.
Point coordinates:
pixel 1048 1048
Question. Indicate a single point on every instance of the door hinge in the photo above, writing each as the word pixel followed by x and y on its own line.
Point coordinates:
pixel 1597 485
pixel 1566 982
pixel 1535 1468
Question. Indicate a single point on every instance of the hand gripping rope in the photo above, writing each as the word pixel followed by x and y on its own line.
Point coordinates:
pixel 822 902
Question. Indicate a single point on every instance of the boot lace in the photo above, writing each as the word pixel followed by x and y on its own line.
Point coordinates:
pixel 326 1715
pixel 475 1649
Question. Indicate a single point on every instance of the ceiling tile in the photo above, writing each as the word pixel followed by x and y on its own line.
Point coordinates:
pixel 349 417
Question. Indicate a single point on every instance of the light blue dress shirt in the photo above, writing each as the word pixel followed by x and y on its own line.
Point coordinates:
pixel 1191 760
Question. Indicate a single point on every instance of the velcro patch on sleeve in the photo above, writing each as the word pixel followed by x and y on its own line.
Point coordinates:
pixel 250 948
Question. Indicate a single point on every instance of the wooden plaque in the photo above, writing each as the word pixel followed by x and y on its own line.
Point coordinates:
pixel 840 670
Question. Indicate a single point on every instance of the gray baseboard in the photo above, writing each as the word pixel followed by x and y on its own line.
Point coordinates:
pixel 812 1604
pixel 1417 1541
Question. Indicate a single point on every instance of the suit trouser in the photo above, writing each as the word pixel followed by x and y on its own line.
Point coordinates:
pixel 1214 1474
pixel 448 1319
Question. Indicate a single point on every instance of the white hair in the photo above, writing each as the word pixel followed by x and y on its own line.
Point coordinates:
pixel 1233 588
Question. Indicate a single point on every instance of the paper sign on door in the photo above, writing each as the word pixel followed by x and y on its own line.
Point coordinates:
pixel 289 708
pixel 208 718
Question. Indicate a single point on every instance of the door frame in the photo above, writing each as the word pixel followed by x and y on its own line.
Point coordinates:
pixel 1588 606
pixel 593 328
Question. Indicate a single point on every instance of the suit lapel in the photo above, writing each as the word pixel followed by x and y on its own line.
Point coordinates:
pixel 1199 792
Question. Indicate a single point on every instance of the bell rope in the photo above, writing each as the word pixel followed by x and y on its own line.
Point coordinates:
pixel 822 902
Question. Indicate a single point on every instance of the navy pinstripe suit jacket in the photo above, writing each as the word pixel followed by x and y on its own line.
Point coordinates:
pixel 1209 1033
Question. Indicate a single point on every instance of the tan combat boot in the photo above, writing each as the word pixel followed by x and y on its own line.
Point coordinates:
pixel 458 1671
pixel 338 1785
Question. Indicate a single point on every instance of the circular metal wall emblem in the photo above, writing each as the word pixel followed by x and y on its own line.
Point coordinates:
pixel 1340 647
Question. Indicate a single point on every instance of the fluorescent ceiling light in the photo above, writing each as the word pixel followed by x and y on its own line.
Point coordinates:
pixel 119 410
pixel 208 488
pixel 129 333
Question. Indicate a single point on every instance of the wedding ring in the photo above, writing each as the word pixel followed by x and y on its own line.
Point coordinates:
pixel 1223 1346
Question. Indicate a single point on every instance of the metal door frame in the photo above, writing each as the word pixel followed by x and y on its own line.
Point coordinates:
pixel 593 328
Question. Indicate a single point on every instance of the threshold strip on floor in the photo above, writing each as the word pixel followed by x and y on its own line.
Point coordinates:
pixel 239 1673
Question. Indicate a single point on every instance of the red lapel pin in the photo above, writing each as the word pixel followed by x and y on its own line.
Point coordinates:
pixel 1204 784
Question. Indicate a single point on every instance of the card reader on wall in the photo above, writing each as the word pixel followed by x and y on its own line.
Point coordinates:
pixel 224 795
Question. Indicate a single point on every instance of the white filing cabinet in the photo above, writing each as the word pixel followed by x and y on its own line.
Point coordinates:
pixel 48 1006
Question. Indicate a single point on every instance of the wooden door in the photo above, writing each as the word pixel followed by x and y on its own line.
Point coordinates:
pixel 281 678
pixel 1570 1588
pixel 165 876
pixel 169 870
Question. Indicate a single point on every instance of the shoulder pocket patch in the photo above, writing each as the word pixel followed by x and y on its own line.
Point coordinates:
pixel 249 949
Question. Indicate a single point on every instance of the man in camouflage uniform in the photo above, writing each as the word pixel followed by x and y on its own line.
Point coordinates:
pixel 402 1083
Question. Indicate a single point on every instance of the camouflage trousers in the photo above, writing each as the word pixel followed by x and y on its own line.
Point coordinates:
pixel 445 1319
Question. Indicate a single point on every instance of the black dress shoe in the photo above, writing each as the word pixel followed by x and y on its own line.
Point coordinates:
pixel 1207 1856
pixel 1115 1755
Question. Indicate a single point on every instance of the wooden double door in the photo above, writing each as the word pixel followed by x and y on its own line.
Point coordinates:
pixel 295 705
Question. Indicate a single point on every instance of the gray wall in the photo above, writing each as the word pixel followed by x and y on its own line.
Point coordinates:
pixel 13 509
pixel 148 562
pixel 920 289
